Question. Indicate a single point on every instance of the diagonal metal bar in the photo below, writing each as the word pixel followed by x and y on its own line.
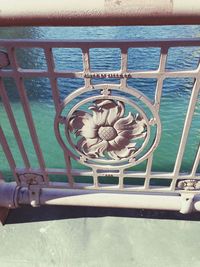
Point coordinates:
pixel 186 129
pixel 56 99
pixel 51 76
pixel 158 95
pixel 13 124
pixel 196 163
pixel 27 111
pixel 8 153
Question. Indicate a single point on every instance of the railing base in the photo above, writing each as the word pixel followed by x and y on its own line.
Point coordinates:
pixel 184 203
pixel 12 196
pixel 3 215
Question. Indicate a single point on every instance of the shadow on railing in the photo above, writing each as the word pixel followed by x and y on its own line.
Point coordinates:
pixel 27 214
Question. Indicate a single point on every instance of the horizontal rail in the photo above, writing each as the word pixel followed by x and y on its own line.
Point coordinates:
pixel 156 175
pixel 108 43
pixel 11 196
pixel 98 74
pixel 99 12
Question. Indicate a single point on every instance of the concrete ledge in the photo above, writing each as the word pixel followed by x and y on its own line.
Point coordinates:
pixel 91 236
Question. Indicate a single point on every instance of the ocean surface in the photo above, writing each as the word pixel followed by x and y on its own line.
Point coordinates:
pixel 174 101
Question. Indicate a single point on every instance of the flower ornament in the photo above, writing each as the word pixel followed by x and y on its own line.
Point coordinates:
pixel 106 133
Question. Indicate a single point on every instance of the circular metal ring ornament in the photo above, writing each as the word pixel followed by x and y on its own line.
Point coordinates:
pixel 106 135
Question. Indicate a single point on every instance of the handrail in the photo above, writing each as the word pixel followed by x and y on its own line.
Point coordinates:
pixel 99 12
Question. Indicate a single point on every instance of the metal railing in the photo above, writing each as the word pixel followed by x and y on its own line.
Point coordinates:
pixel 109 131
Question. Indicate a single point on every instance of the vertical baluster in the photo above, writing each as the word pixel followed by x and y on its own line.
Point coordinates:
pixel 86 70
pixel 121 178
pixel 95 178
pixel 124 66
pixel 158 94
pixel 8 153
pixel 86 65
pixel 124 62
pixel 69 168
pixel 56 99
pixel 148 172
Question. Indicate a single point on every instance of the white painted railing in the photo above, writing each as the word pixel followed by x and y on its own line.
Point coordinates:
pixel 114 134
pixel 110 151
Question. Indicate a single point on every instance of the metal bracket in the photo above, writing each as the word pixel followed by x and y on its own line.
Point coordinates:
pixel 34 182
pixel 187 204
pixel 190 184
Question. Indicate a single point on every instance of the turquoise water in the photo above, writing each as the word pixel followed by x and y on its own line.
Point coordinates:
pixel 176 92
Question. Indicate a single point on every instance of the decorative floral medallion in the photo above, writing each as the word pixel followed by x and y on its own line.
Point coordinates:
pixel 106 132
pixel 107 126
